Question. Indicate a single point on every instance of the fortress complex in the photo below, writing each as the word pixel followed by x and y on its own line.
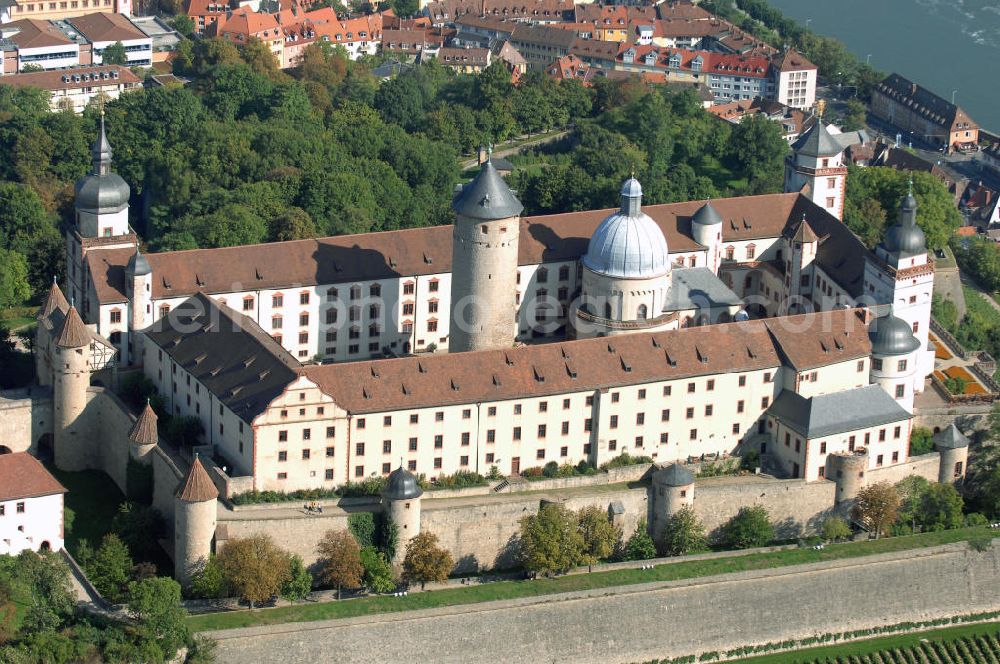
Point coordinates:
pixel 678 331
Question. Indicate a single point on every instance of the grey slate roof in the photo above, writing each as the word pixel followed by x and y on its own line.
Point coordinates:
pixel 402 485
pixel 674 475
pixel 706 216
pixel 817 142
pixel 698 287
pixel 829 414
pixel 138 266
pixel 487 197
pixel 950 438
pixel 228 353
pixel 892 336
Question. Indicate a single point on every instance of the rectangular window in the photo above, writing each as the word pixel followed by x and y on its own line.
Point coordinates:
pixel 491 411
pixel 540 454
pixel 466 437
pixel 739 406
pixel 691 388
pixel 895 457
pixel 386 447
pixel 282 455
pixel 387 420
pixel 822 448
pixel 438 441
pixel 861 366
pixel 303 298
pixel 541 430
pixel 764 402
pixel 881 435
pixel 330 451
pixel 490 457
pixel 359 471
pixel 666 390
pixel 437 462
pixel 543 406
pixel 614 422
pixel 708 410
pixel 466 414
pixel 491 435
pixel 413 444
pixel 640 418
pixel 517 409
pixel 331 432
pixel 359 449
pixel 282 436
pixel 876 364
pixel 901 365
pixel 439 416
pixel 615 397
pixel 736 428
pixel 361 423
pixel 307 434
pixel 896 432
pixel 689 413
pixel 306 454
pixel 329 473
pixel 464 461
pixel 414 418
pixel 710 385
pixel 693 435
pixel 642 394
pixel 900 391
pixel 565 428
pixel 612 445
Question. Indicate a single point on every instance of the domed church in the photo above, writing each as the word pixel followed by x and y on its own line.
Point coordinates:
pixel 629 283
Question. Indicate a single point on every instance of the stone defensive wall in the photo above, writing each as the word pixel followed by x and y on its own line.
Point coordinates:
pixel 656 620
pixel 480 529
pixel 25 418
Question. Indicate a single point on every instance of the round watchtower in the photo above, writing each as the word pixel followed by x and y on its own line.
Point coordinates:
pixel 402 500
pixel 139 285
pixel 71 359
pixel 953 447
pixel 484 264
pixel 706 227
pixel 848 471
pixel 195 514
pixel 673 489
pixel 143 437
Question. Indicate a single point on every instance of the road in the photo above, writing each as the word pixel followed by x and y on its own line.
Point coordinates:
pixel 516 149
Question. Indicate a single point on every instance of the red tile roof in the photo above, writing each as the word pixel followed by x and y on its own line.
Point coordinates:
pixel 24 476
pixel 198 486
pixel 418 251
pixel 103 26
pixel 589 364
pixel 35 33
pixel 88 76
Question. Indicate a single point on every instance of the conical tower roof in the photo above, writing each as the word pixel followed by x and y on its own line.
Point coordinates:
pixel 487 197
pixel 144 430
pixel 54 300
pixel 950 438
pixel 197 487
pixel 74 334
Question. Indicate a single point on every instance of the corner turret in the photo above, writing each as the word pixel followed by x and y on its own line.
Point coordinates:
pixel 402 501
pixel 953 446
pixel 195 515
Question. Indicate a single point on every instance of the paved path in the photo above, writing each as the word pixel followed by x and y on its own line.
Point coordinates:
pixel 506 152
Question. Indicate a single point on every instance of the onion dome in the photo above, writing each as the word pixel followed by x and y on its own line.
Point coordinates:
pixel 905 237
pixel 674 475
pixel 892 336
pixel 628 244
pixel 402 485
pixel 487 197
pixel 197 487
pixel 706 215
pixel 950 438
pixel 101 191
pixel 137 266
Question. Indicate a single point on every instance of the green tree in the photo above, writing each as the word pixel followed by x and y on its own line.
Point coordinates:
pixel 425 560
pixel 759 148
pixel 184 24
pixel 921 441
pixel 111 568
pixel 600 536
pixel 292 224
pixel 877 507
pixel 835 528
pixel 46 581
pixel 14 289
pixel 855 116
pixel 299 582
pixel 932 506
pixel 140 528
pixel 114 54
pixel 378 576
pixel 750 527
pixel 254 568
pixel 684 533
pixel 340 559
pixel 551 541
pixel 640 545
pixel 155 605
pixel 208 582
pixel 362 527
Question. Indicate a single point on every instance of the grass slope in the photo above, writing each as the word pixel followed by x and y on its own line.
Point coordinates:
pixel 518 589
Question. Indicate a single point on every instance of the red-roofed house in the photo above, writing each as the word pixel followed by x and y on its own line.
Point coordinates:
pixel 31 506
pixel 205 13
pixel 244 23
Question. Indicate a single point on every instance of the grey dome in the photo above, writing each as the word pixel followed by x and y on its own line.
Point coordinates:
pixel 905 237
pixel 138 266
pixel 102 194
pixel 673 475
pixel 402 485
pixel 101 191
pixel 706 216
pixel 892 336
pixel 817 142
pixel 631 188
pixel 487 197
pixel 628 244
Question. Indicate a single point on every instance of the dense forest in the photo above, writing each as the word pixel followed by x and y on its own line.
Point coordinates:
pixel 248 153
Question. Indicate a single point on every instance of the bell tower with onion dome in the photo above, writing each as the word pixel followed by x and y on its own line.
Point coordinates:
pixel 101 205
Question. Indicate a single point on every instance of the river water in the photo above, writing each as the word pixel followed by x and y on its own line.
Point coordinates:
pixel 943 45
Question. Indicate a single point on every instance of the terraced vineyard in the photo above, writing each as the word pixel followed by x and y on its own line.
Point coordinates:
pixel 974 649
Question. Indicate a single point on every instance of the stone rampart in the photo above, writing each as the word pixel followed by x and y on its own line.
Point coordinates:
pixel 649 621
pixel 926 466
pixel 25 417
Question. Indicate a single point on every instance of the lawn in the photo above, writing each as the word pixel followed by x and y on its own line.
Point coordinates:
pixel 912 643
pixel 504 590
pixel 91 504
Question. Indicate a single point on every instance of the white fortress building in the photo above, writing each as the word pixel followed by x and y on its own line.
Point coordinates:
pixel 679 332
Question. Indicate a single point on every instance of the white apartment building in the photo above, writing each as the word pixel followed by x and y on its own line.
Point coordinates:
pixel 74 89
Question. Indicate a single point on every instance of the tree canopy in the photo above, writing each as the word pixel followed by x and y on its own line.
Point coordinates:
pixel 551 541
pixel 426 560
